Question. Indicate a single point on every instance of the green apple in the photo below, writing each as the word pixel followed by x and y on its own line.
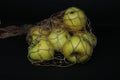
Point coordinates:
pixel 75 19
pixel 88 36
pixel 42 51
pixel 58 37
pixel 77 50
pixel 36 33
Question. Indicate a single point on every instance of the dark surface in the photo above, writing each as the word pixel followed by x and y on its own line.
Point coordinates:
pixel 104 64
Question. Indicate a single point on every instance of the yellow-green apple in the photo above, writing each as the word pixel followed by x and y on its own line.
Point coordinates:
pixel 77 50
pixel 88 36
pixel 58 37
pixel 75 19
pixel 42 51
pixel 36 33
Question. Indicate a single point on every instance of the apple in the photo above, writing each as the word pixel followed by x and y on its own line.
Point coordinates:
pixel 88 36
pixel 36 33
pixel 42 51
pixel 74 18
pixel 58 37
pixel 77 50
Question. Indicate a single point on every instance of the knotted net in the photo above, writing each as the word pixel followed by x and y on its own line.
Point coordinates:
pixel 54 22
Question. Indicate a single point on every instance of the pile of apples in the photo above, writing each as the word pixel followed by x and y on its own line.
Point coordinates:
pixel 65 33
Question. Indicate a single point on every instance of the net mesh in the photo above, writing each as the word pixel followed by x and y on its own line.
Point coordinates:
pixel 44 29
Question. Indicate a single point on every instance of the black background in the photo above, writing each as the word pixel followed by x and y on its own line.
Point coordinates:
pixel 104 64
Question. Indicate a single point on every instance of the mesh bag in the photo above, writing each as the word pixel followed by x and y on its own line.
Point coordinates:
pixel 40 32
